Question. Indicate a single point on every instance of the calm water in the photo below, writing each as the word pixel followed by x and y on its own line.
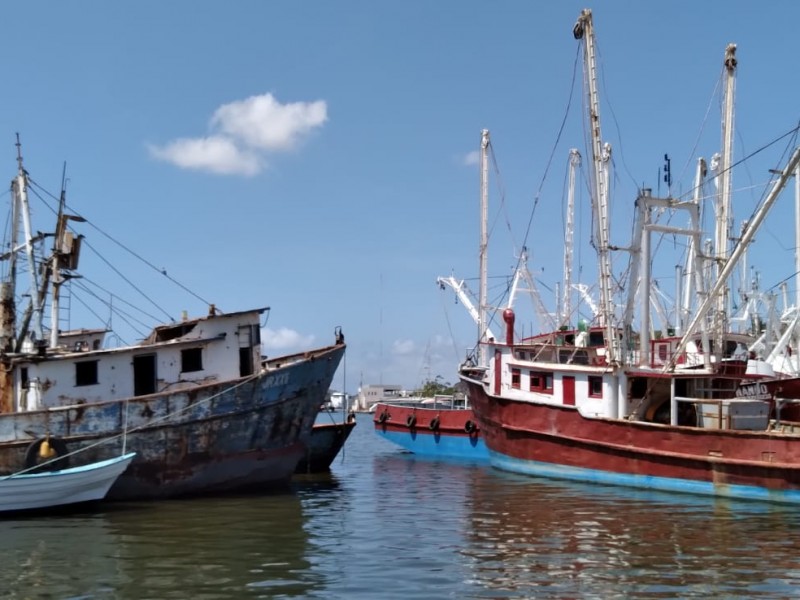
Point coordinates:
pixel 387 525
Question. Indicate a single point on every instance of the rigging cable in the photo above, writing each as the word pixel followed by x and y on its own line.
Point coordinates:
pixel 450 329
pixel 162 271
pixel 553 151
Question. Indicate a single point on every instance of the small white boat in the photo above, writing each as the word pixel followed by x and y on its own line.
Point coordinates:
pixel 27 491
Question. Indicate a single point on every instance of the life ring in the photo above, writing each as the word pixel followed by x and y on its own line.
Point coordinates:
pixel 411 421
pixel 57 446
pixel 470 427
pixel 383 416
pixel 434 424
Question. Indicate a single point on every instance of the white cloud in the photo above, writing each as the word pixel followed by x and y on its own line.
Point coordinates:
pixel 285 339
pixel 263 122
pixel 473 158
pixel 241 132
pixel 403 347
pixel 216 154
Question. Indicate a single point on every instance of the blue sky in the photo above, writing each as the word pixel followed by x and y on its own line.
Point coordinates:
pixel 314 157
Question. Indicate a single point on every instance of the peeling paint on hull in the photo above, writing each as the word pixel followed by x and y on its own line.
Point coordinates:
pixel 242 434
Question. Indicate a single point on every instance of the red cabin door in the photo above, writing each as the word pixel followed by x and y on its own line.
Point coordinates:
pixel 568 390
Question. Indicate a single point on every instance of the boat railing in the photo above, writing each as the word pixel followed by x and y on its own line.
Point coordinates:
pixel 562 354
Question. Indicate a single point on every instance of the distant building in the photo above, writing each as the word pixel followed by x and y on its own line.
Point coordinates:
pixel 369 395
pixel 338 400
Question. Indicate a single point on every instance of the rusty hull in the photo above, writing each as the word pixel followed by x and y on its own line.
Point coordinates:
pixel 242 434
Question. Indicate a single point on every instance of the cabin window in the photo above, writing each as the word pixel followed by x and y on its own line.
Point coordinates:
pixel 541 382
pixel 86 372
pixel 23 377
pixel 515 377
pixel 595 387
pixel 191 360
pixel 596 338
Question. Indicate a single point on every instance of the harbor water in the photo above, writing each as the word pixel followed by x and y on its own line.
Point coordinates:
pixel 384 524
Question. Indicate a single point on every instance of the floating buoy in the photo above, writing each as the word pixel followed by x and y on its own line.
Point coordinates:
pixel 46 450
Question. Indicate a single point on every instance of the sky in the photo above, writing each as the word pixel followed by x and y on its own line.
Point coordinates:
pixel 319 157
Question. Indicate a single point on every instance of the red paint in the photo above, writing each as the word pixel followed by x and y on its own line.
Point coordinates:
pixel 568 393
pixel 451 420
pixel 498 370
pixel 560 435
pixel 508 317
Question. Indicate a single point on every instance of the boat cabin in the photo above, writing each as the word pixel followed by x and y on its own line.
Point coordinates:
pixel 174 357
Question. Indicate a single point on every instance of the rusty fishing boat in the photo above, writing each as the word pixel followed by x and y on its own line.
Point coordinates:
pixel 195 400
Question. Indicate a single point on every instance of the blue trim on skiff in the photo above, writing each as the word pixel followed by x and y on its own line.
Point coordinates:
pixel 95 466
pixel 648 482
pixel 438 445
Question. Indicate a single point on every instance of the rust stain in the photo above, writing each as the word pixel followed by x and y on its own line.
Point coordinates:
pixel 80 410
pixel 6 387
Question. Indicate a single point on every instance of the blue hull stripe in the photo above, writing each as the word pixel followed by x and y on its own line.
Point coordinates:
pixel 443 446
pixel 648 482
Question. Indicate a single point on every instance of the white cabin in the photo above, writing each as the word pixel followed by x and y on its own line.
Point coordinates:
pixel 174 357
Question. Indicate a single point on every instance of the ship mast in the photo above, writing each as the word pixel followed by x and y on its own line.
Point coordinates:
pixel 484 244
pixel 723 228
pixel 601 154
pixel 33 312
pixel 796 362
pixel 566 306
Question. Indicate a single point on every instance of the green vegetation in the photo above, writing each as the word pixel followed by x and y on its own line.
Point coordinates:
pixel 433 387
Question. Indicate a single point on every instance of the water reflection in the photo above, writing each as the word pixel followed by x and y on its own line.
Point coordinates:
pixel 545 539
pixel 205 548
pixel 389 525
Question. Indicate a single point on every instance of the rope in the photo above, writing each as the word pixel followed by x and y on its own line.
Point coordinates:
pixel 553 150
pixel 155 421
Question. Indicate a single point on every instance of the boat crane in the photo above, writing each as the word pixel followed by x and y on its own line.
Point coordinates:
pixel 459 286
pixel 546 319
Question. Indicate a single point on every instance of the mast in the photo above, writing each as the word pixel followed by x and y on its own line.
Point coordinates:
pixel 33 312
pixel 690 272
pixel 484 243
pixel 747 237
pixel 566 307
pixel 796 364
pixel 724 198
pixel 797 235
pixel 55 270
pixel 600 158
